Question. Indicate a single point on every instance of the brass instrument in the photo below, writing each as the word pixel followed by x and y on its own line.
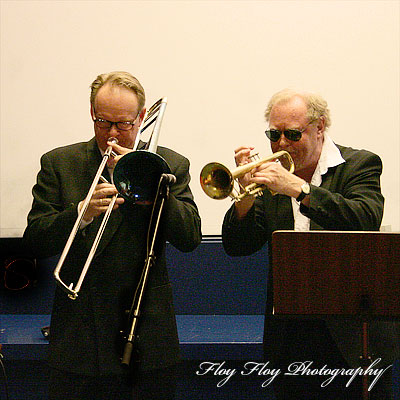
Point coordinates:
pixel 218 181
pixel 136 177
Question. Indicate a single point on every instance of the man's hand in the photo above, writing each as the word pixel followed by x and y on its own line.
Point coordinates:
pixel 100 201
pixel 242 157
pixel 121 151
pixel 270 174
pixel 277 178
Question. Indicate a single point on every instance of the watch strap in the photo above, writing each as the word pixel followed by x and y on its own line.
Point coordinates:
pixel 301 196
pixel 303 193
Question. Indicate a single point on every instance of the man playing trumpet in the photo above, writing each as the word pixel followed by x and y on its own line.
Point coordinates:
pixel 333 188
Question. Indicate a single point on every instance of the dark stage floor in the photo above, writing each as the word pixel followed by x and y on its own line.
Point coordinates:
pixel 27 380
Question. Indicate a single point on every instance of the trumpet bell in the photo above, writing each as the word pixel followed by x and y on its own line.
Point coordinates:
pixel 137 175
pixel 216 181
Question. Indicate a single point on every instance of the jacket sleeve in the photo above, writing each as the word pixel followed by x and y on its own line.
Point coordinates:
pixel 50 220
pixel 247 235
pixel 356 203
pixel 349 199
pixel 183 226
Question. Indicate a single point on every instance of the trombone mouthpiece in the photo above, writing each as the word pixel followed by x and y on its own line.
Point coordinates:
pixel 113 140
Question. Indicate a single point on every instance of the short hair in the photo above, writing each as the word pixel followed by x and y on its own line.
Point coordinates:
pixel 121 79
pixel 317 106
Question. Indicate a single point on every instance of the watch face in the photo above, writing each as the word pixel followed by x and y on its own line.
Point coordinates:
pixel 306 188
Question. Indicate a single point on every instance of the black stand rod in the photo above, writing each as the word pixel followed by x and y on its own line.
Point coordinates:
pixel 134 312
pixel 365 357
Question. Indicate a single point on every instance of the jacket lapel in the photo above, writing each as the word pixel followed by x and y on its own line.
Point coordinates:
pixel 327 181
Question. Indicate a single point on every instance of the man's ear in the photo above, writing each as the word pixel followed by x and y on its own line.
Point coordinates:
pixel 142 114
pixel 321 125
pixel 92 111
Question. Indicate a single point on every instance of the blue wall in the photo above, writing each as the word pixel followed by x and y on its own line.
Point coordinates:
pixel 205 281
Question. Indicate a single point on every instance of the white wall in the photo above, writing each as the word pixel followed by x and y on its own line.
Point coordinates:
pixel 217 61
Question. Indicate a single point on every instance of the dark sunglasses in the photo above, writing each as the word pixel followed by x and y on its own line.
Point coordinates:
pixel 292 134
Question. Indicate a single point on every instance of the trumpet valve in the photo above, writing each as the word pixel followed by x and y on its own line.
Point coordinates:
pixel 254 157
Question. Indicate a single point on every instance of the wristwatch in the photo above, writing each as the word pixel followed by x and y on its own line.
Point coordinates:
pixel 305 191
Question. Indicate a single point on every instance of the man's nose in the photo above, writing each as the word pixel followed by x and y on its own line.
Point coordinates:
pixel 113 130
pixel 283 142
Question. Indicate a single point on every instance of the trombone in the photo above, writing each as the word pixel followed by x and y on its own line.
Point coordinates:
pixel 218 181
pixel 136 185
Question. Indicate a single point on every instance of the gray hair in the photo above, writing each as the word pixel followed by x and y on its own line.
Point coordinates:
pixel 317 107
pixel 121 79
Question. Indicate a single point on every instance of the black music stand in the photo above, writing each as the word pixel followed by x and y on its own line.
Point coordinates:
pixel 363 271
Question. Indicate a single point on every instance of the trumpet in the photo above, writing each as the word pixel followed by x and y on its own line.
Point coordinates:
pixel 136 177
pixel 218 181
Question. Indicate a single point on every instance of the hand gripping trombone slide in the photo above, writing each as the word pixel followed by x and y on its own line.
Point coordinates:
pixel 136 185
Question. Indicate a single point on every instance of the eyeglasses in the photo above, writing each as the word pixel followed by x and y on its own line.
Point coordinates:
pixel 105 124
pixel 292 134
pixel 121 125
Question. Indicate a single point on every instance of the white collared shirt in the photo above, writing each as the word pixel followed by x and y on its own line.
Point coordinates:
pixel 330 157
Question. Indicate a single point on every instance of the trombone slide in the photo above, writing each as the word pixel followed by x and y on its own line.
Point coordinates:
pixel 156 165
pixel 73 293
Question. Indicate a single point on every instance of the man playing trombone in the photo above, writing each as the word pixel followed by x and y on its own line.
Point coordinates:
pixel 333 188
pixel 85 341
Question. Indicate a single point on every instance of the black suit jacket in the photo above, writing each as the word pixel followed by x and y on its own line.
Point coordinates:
pixel 85 335
pixel 349 198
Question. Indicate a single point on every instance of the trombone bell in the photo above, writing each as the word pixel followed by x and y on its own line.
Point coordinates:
pixel 137 174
